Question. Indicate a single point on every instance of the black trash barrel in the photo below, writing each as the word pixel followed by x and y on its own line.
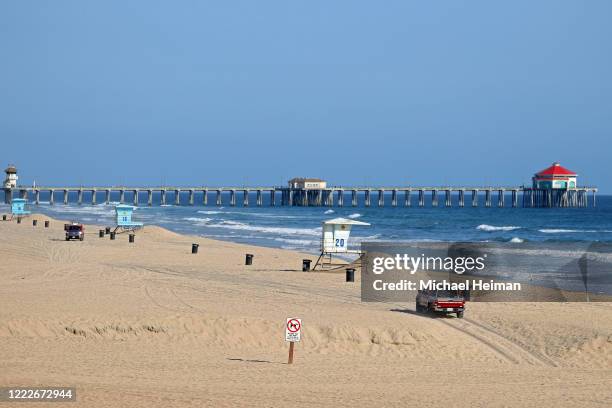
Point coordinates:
pixel 194 248
pixel 132 238
pixel 34 223
pixel 101 233
pixel 108 231
pixel 350 275
pixel 249 259
pixel 18 220
pixel 46 224
pixel 4 217
pixel 112 235
pixel 306 265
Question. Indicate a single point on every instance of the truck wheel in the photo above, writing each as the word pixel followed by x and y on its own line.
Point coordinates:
pixel 460 315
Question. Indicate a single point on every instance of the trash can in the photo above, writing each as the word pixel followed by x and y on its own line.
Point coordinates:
pixel 249 259
pixel 306 265
pixel 34 223
pixel 350 275
pixel 18 220
pixel 101 233
pixel 112 235
pixel 108 231
pixel 4 217
pixel 46 224
pixel 132 238
pixel 194 248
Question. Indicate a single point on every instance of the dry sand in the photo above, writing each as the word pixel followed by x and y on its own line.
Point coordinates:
pixel 150 324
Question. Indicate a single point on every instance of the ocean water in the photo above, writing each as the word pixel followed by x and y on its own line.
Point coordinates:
pixel 300 227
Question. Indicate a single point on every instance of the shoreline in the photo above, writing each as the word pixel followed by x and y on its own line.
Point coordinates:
pixel 300 228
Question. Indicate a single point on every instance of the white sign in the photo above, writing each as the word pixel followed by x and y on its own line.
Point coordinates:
pixel 293 329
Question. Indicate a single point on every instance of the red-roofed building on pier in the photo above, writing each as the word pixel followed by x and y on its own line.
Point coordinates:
pixel 555 177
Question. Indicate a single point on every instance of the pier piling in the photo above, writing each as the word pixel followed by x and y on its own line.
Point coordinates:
pixel 579 197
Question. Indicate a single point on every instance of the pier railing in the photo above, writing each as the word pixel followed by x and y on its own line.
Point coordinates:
pixel 405 196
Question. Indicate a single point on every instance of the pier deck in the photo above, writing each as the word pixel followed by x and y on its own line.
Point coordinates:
pixel 406 196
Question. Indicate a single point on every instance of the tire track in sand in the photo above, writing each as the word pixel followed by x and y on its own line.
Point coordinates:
pixel 511 349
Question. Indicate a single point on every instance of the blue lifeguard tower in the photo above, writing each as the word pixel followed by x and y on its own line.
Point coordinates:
pixel 124 219
pixel 18 208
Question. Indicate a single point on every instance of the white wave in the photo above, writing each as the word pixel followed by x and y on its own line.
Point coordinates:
pixel 329 212
pixel 358 239
pixel 355 215
pixel 250 213
pixel 235 225
pixel 82 209
pixel 517 240
pixel 303 242
pixel 569 231
pixel 198 220
pixel 489 228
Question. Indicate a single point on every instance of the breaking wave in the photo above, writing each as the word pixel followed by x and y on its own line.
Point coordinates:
pixel 489 228
pixel 569 231
pixel 355 215
pixel 558 231
pixel 235 225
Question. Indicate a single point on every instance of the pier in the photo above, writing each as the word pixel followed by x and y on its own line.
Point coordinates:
pixel 527 197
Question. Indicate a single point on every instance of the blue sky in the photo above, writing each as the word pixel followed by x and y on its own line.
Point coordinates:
pixel 393 92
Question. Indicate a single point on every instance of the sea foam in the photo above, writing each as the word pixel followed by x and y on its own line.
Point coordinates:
pixel 486 227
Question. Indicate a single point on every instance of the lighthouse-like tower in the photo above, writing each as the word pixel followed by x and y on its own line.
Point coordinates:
pixel 10 182
pixel 11 177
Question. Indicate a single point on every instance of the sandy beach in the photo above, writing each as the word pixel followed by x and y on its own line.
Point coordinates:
pixel 149 324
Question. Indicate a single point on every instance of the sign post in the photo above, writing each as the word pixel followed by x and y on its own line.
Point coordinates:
pixel 293 333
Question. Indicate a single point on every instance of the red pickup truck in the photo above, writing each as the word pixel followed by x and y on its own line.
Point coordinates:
pixel 440 301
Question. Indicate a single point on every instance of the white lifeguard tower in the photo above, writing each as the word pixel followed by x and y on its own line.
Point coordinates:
pixel 335 240
pixel 11 177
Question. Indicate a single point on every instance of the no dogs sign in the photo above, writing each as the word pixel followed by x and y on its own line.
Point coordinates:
pixel 293 329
